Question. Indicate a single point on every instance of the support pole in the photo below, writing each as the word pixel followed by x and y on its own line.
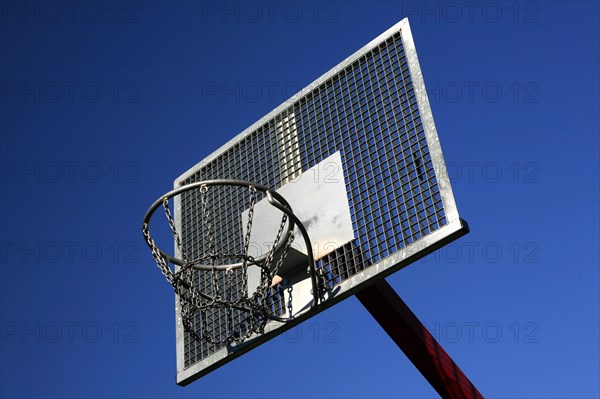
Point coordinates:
pixel 416 342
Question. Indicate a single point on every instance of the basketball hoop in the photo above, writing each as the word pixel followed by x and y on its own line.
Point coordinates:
pixel 228 297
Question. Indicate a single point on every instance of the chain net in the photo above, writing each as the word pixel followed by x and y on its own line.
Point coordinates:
pixel 202 311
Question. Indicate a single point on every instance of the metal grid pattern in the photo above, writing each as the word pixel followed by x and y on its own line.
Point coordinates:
pixel 368 111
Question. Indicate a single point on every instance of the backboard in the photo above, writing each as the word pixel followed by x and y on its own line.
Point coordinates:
pixel 357 156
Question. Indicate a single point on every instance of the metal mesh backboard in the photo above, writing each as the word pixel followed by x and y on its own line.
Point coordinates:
pixel 369 116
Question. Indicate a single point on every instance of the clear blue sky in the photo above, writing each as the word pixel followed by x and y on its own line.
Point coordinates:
pixel 103 104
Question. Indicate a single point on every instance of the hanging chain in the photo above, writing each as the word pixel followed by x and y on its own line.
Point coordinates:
pixel 208 227
pixel 289 304
pixel 279 263
pixel 158 257
pixel 173 228
pixel 247 242
pixel 269 258
pixel 207 219
pixel 284 253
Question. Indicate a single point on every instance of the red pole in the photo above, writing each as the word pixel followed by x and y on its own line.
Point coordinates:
pixel 416 342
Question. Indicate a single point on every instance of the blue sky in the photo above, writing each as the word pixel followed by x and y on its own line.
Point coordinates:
pixel 103 104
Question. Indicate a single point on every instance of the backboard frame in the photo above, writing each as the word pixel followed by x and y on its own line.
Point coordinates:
pixel 454 228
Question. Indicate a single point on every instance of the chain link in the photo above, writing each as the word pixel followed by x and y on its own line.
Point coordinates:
pixel 173 228
pixel 289 305
pixel 269 258
pixel 247 241
pixel 158 257
pixel 206 217
pixel 284 253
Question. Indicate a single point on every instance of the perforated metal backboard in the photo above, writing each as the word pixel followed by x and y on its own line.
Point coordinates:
pixel 357 155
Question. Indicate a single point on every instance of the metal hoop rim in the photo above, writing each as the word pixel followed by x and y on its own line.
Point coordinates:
pixel 273 197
